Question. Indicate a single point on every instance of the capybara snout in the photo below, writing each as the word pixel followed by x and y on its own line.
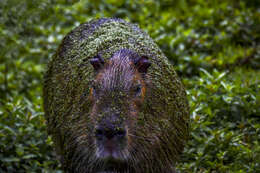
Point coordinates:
pixel 111 141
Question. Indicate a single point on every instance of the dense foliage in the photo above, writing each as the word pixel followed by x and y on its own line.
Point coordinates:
pixel 213 44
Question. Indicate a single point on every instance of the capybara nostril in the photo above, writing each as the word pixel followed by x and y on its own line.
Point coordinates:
pixel 109 133
pixel 120 133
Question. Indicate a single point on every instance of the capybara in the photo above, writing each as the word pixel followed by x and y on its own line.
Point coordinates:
pixel 113 102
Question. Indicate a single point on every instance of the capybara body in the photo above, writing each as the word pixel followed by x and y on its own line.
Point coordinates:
pixel 113 102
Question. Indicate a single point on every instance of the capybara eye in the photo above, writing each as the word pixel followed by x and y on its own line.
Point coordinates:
pixel 95 90
pixel 137 90
pixel 121 133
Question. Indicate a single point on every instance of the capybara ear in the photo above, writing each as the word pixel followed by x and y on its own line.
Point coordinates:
pixel 142 64
pixel 97 62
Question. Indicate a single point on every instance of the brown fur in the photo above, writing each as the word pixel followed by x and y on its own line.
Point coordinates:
pixel 118 115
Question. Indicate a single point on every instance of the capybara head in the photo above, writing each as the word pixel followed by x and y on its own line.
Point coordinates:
pixel 117 94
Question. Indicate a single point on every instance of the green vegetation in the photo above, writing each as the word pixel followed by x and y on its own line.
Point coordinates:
pixel 213 44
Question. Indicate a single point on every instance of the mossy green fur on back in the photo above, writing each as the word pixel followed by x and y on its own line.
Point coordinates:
pixel 164 115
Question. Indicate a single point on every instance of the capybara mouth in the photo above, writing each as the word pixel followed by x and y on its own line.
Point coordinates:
pixel 111 165
pixel 111 152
